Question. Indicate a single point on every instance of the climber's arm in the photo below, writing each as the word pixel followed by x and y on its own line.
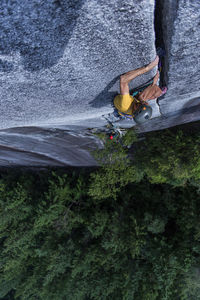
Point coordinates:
pixel 156 78
pixel 130 75
pixel 127 77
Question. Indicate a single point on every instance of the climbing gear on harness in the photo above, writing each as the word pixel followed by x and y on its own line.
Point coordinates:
pixel 125 116
pixel 115 133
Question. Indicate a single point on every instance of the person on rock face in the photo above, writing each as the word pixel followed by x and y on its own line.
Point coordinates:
pixel 127 104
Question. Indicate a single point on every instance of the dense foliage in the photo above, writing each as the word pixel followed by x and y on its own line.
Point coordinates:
pixel 129 230
pixel 170 157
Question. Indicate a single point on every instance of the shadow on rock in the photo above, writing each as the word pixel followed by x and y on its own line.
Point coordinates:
pixel 105 97
pixel 38 30
pixel 6 66
pixel 189 112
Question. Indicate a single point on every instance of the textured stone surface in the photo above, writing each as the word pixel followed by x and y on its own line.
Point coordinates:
pixel 187 115
pixel 42 147
pixel 60 61
pixel 181 34
pixel 181 29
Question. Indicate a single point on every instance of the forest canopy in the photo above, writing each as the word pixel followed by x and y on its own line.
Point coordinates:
pixel 129 229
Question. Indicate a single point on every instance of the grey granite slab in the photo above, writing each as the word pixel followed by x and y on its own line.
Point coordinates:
pixel 60 61
pixel 181 30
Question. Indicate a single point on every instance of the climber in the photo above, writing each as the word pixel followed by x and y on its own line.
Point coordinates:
pixel 136 107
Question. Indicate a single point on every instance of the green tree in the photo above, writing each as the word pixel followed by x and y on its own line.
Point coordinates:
pixel 116 168
pixel 169 157
pixel 62 244
pixel 129 230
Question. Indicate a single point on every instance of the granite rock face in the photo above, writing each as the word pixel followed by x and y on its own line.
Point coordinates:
pixel 181 35
pixel 42 147
pixel 181 29
pixel 60 60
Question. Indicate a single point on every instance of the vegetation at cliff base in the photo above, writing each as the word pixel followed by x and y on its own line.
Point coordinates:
pixel 128 230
